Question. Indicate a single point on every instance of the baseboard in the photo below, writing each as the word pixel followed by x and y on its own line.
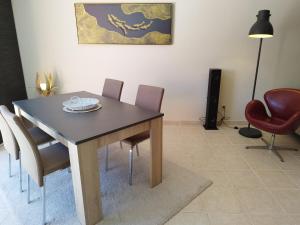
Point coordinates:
pixel 176 122
pixel 185 122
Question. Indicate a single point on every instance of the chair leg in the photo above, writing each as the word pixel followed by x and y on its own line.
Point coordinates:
pixel 20 172
pixel 257 147
pixel 106 157
pixel 285 148
pixel 9 165
pixel 277 154
pixel 121 145
pixel 137 150
pixel 43 190
pixel 272 147
pixel 130 165
pixel 28 189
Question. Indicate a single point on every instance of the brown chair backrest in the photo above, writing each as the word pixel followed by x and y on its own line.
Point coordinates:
pixel 149 97
pixel 31 160
pixel 112 89
pixel 283 103
pixel 9 140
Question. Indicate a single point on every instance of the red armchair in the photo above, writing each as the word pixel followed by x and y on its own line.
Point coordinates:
pixel 284 118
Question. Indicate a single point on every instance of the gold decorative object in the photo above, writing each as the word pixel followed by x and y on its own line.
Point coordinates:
pixel 45 84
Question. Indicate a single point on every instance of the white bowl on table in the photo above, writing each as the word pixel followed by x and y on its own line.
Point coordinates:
pixel 77 104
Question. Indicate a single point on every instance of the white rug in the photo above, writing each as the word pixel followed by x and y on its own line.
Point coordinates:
pixel 122 204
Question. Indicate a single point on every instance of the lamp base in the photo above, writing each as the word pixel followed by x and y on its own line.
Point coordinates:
pixel 250 132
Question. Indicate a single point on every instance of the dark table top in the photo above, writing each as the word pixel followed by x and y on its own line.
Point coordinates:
pixel 80 127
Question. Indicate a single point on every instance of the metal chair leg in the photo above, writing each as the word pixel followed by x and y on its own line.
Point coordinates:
pixel 9 165
pixel 106 157
pixel 130 165
pixel 20 172
pixel 277 154
pixel 28 189
pixel 43 189
pixel 257 147
pixel 272 147
pixel 137 150
pixel 265 141
pixel 285 148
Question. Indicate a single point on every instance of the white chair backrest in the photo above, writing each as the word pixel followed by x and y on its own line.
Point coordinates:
pixel 9 140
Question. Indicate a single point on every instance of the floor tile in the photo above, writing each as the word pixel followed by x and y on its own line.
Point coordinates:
pixel 228 219
pixel 219 178
pixel 215 199
pixel 294 176
pixel 295 219
pixel 257 201
pixel 189 219
pixel 244 179
pixel 271 220
pixel 235 163
pixel 261 160
pixel 288 199
pixel 276 179
pixel 290 163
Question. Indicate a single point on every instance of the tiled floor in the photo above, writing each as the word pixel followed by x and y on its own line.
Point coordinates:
pixel 251 187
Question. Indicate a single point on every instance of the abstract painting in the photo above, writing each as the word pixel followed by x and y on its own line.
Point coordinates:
pixel 119 23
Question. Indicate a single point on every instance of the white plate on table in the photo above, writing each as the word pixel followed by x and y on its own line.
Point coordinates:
pixel 76 103
pixel 98 106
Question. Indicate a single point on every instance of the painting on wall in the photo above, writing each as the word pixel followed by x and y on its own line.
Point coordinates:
pixel 124 23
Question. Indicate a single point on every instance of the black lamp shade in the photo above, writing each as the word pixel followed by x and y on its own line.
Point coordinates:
pixel 262 28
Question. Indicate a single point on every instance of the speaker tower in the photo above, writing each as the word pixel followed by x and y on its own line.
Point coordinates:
pixel 213 92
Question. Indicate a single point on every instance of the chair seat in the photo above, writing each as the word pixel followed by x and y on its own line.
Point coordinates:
pixel 136 139
pixel 54 157
pixel 39 136
pixel 269 124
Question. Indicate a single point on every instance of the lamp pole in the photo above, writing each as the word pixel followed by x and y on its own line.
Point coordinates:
pixel 256 72
pixel 257 66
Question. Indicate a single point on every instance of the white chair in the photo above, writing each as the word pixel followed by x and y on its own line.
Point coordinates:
pixel 112 89
pixel 10 143
pixel 148 98
pixel 38 163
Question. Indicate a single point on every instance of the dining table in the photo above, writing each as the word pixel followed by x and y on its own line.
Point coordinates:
pixel 85 133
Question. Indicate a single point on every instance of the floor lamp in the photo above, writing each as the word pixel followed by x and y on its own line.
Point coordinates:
pixel 261 29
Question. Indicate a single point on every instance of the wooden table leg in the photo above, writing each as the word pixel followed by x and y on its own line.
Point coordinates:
pixel 85 176
pixel 156 152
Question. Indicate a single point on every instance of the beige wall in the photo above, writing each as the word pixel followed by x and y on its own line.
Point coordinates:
pixel 207 33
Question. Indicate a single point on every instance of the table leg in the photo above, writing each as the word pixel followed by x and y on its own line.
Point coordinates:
pixel 156 152
pixel 86 181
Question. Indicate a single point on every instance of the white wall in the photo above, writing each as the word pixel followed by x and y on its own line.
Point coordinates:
pixel 207 33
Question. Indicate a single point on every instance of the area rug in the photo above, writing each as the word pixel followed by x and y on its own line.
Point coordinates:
pixel 122 204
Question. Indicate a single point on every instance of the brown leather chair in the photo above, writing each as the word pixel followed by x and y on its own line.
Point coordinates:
pixel 148 98
pixel 284 118
pixel 37 162
pixel 112 89
pixel 10 144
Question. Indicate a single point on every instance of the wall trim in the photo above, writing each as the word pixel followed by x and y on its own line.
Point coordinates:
pixel 185 122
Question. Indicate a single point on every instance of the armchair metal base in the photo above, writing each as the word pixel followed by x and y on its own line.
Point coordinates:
pixel 272 147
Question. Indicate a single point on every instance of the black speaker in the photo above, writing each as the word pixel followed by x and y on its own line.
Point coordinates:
pixel 213 92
